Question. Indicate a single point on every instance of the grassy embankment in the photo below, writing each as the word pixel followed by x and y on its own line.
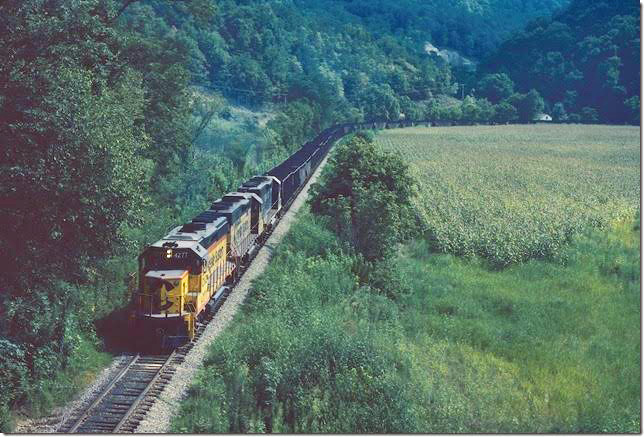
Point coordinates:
pixel 547 345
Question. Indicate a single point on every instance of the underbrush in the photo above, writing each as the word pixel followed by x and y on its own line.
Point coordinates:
pixel 537 347
pixel 303 356
pixel 50 386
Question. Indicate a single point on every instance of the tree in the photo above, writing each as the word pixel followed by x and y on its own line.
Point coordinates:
pixel 586 55
pixel 528 105
pixel 486 110
pixel 295 123
pixel 505 113
pixel 496 87
pixel 380 103
pixel 559 112
pixel 589 115
pixel 633 106
pixel 367 194
pixel 72 175
pixel 469 110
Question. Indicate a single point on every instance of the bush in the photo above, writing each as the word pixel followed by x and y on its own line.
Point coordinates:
pixel 13 373
pixel 304 356
pixel 367 196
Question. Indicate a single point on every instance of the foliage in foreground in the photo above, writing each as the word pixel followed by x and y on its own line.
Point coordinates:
pixel 303 356
pixel 515 193
pixel 538 347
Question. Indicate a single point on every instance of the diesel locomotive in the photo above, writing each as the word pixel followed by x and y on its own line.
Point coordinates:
pixel 183 276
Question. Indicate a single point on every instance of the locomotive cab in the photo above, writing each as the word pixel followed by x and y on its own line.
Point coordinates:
pixel 164 316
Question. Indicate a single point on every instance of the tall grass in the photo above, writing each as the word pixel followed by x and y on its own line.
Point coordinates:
pixel 538 347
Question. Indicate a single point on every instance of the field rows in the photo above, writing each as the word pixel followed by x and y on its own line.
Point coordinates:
pixel 510 193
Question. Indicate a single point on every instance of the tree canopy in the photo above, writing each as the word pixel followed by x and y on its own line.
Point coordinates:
pixel 367 194
pixel 585 60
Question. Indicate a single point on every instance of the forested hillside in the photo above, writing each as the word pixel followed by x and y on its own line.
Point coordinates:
pixel 585 61
pixel 471 27
pixel 342 59
pixel 120 118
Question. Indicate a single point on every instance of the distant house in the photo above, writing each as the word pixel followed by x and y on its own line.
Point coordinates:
pixel 542 117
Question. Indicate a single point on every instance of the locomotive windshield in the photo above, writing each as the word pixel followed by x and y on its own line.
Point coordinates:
pixel 159 290
pixel 167 259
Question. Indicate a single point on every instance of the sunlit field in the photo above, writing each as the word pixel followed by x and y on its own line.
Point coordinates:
pixel 511 193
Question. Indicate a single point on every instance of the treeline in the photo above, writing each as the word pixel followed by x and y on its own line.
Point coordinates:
pixel 98 158
pixel 584 61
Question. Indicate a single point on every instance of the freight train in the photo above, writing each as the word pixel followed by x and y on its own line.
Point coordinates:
pixel 184 276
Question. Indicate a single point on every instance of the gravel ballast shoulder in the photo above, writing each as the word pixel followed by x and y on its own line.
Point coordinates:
pixel 50 423
pixel 158 418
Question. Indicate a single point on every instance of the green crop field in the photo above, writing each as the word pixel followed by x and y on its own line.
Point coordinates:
pixel 511 193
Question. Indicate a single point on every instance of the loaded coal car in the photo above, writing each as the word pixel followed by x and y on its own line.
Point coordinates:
pixel 292 173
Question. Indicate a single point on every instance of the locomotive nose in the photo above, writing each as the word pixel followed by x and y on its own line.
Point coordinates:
pixel 165 289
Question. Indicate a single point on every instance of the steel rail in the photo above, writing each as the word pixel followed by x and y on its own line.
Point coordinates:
pixel 102 395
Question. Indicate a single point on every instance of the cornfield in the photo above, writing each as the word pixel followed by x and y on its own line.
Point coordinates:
pixel 512 193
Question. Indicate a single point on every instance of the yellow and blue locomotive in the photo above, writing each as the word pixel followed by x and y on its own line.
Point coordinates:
pixel 182 276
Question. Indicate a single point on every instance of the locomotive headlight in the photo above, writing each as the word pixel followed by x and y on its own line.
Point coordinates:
pixel 168 253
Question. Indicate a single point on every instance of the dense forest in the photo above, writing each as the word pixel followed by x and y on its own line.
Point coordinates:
pixel 120 118
pixel 584 61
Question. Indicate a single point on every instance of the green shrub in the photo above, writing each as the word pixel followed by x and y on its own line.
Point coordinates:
pixel 367 196
pixel 13 373
pixel 304 356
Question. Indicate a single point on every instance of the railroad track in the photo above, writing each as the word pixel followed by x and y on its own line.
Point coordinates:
pixel 124 401
pixel 139 381
pixel 126 397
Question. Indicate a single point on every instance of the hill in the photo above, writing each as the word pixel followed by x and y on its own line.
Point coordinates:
pixel 585 61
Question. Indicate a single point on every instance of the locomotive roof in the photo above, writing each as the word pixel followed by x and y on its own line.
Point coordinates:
pixel 257 182
pixel 231 208
pixel 231 197
pixel 197 235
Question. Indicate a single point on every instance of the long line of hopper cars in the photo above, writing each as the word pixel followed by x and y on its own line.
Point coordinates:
pixel 183 276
